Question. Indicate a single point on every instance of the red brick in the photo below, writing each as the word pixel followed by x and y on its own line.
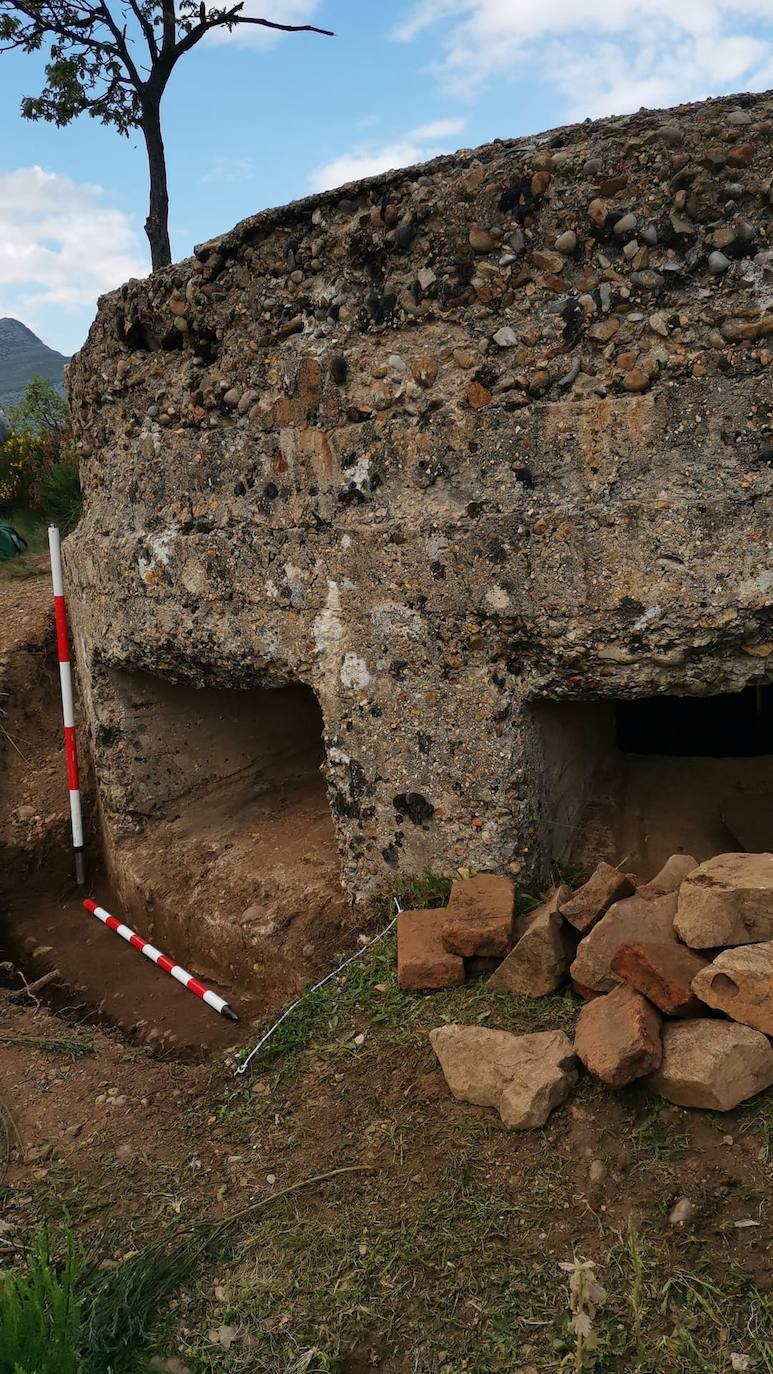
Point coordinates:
pixel 662 971
pixel 479 917
pixel 618 1037
pixel 589 903
pixel 423 962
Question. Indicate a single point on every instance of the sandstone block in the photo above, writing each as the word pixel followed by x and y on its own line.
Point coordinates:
pixel 630 921
pixel 727 901
pixel 670 877
pixel 540 961
pixel 589 903
pixel 712 1064
pixel 523 1076
pixel 661 970
pixel 423 962
pixel 618 1037
pixel 479 917
pixel 740 983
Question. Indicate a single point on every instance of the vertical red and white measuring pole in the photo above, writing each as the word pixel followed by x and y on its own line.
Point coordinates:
pixel 65 677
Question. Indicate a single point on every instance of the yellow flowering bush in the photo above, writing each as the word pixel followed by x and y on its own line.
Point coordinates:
pixel 18 459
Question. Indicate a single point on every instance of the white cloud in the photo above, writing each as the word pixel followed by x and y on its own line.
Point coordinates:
pixel 603 57
pixel 228 171
pixel 61 246
pixel 368 159
pixel 281 12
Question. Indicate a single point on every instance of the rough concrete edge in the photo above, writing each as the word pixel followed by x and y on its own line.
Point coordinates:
pixel 291 212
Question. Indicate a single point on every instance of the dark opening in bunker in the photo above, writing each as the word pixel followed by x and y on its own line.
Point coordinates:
pixel 635 780
pixel 737 724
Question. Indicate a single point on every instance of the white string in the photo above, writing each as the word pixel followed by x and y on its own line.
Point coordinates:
pixel 241 1068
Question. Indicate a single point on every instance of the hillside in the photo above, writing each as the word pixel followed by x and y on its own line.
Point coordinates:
pixel 22 357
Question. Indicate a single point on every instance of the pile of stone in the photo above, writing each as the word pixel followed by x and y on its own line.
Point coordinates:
pixel 676 975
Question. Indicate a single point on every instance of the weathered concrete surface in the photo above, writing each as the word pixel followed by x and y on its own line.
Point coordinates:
pixel 386 442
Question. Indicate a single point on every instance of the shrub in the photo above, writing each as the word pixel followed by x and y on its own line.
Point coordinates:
pixel 60 490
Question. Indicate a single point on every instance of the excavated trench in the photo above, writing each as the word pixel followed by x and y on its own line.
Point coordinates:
pixel 259 834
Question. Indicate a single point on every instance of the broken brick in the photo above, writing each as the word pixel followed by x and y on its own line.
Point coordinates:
pixel 479 917
pixel 423 962
pixel 661 970
pixel 618 1037
pixel 589 903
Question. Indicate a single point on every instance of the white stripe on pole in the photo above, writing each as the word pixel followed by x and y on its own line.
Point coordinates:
pixel 55 549
pixel 76 820
pixel 68 708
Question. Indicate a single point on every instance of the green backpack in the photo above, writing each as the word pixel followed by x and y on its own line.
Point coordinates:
pixel 11 541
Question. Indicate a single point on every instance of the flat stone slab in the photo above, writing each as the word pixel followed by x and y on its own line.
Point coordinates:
pixel 479 917
pixel 423 962
pixel 618 1037
pixel 727 901
pixel 670 877
pixel 632 920
pixel 588 904
pixel 540 961
pixel 662 970
pixel 523 1076
pixel 712 1064
pixel 740 983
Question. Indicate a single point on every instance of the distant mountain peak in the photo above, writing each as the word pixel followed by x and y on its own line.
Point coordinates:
pixel 24 356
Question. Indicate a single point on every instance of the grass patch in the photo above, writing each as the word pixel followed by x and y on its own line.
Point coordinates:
pixel 366 997
pixel 654 1138
pixel 465 1278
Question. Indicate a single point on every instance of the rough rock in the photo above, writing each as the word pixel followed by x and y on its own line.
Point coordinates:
pixel 618 1037
pixel 479 917
pixel 670 877
pixel 661 970
pixel 727 901
pixel 633 920
pixel 423 962
pixel 682 1212
pixel 711 1063
pixel 589 903
pixel 523 1076
pixel 540 961
pixel 740 983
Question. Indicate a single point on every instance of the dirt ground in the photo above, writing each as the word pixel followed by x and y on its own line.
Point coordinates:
pixel 441 1254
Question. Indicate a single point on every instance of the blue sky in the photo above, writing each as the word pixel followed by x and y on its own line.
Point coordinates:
pixel 254 121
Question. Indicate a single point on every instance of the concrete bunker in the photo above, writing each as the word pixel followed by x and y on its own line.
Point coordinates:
pixel 639 778
pixel 474 449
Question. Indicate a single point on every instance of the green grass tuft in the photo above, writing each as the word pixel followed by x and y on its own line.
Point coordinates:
pixel 40 1317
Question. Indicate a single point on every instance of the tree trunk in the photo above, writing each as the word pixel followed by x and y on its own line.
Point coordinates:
pixel 157 222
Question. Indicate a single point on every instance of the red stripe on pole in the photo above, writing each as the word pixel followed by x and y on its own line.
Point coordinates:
pixel 166 964
pixel 71 751
pixel 60 617
pixel 194 985
pixel 137 942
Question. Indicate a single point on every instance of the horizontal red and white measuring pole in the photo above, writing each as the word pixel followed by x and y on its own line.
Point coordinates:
pixel 156 957
pixel 65 678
